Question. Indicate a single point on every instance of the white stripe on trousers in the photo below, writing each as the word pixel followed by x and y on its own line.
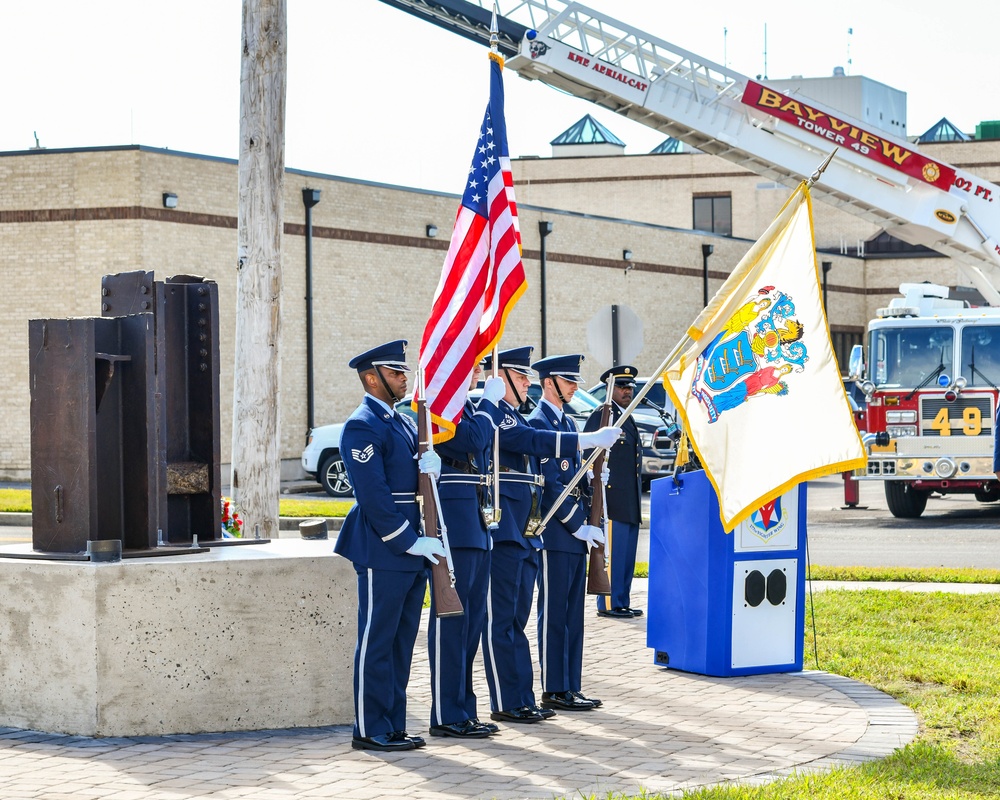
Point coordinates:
pixel 489 644
pixel 545 617
pixel 436 688
pixel 361 661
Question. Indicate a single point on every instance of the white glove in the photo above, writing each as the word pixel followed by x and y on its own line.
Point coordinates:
pixel 494 389
pixel 603 438
pixel 430 464
pixel 428 547
pixel 592 535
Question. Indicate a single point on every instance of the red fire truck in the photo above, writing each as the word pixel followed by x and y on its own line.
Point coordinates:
pixel 930 427
pixel 931 382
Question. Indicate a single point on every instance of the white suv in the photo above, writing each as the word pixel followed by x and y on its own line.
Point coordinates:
pixel 322 460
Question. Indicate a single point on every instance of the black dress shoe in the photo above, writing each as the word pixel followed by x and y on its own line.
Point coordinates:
pixel 635 612
pixel 461 730
pixel 618 613
pixel 403 736
pixel 592 700
pixel 488 725
pixel 383 741
pixel 566 701
pixel 547 713
pixel 522 714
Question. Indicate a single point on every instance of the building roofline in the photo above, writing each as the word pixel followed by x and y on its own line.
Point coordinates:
pixel 361 182
pixel 113 147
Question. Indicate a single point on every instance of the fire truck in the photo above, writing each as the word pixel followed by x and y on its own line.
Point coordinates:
pixel 783 137
pixel 930 428
pixel 931 387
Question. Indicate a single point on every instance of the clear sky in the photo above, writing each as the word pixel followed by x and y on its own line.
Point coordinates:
pixel 375 93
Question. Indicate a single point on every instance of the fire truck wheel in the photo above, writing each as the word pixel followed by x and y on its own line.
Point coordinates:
pixel 988 495
pixel 904 501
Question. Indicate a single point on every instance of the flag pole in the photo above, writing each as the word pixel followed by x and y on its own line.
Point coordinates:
pixel 821 168
pixel 494 523
pixel 495 489
pixel 674 354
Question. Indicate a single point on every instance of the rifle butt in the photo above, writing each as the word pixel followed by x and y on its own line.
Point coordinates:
pixel 597 574
pixel 446 600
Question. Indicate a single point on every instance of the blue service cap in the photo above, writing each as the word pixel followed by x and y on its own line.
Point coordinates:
pixel 516 359
pixel 625 375
pixel 390 354
pixel 566 367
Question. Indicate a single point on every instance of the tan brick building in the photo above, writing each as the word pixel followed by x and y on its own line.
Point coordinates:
pixel 67 217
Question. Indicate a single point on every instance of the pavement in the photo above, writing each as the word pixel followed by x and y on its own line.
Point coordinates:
pixel 658 731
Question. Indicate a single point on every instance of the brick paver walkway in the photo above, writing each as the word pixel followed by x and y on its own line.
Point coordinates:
pixel 658 730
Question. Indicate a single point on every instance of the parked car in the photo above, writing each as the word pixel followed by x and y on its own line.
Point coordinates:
pixel 321 459
pixel 656 435
pixel 321 456
pixel 656 396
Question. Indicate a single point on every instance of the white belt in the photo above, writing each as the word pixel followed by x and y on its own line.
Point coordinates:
pixel 522 477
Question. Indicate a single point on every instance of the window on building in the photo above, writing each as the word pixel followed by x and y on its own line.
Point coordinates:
pixel 843 339
pixel 713 213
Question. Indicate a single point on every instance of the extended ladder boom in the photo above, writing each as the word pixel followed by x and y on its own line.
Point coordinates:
pixel 780 136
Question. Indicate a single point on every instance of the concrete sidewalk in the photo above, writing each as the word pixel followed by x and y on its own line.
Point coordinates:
pixel 658 731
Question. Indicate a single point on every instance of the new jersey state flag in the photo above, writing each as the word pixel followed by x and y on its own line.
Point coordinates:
pixel 759 389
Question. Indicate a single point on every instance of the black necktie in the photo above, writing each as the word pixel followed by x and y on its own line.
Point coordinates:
pixel 407 430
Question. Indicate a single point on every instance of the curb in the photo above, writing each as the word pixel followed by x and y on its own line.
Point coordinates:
pixel 23 520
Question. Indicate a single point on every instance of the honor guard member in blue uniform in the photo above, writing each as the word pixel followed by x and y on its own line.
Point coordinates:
pixel 996 445
pixel 383 539
pixel 452 642
pixel 623 495
pixel 514 561
pixel 562 575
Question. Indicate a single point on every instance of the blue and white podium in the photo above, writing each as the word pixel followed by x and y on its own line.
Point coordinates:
pixel 725 603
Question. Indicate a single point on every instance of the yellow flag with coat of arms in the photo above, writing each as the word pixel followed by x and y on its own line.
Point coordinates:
pixel 758 388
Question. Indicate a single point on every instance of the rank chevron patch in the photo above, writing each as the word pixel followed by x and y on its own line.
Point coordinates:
pixel 363 455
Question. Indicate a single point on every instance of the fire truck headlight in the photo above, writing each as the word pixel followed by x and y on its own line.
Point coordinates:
pixel 899 431
pixel 900 416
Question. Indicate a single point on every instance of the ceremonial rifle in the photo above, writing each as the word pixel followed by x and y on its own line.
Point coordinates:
pixel 597 574
pixel 446 600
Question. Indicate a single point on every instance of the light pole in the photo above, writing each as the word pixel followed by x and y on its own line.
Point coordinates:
pixel 706 251
pixel 544 229
pixel 310 197
pixel 827 266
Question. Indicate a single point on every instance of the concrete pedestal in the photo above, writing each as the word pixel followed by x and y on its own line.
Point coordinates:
pixel 238 638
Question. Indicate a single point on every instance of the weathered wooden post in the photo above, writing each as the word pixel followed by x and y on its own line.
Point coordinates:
pixel 256 467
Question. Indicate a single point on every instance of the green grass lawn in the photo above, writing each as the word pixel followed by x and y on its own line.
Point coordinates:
pixel 937 653
pixel 19 500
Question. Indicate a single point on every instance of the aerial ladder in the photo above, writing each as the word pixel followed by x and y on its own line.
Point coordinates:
pixel 780 135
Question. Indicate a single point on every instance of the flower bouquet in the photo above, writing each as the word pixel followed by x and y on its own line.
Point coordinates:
pixel 232 525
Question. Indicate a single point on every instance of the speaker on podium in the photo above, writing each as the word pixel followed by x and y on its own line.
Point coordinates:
pixel 725 603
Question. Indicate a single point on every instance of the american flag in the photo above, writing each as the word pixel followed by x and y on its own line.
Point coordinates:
pixel 482 277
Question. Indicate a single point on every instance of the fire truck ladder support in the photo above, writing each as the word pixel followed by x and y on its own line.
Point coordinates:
pixel 619 67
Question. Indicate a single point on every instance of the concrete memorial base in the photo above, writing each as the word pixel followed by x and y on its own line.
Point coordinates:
pixel 238 638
